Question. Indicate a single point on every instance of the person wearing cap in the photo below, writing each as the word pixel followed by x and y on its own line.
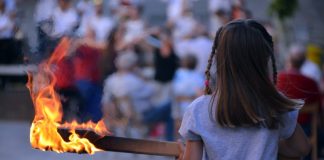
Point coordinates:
pixel 311 67
pixel 128 92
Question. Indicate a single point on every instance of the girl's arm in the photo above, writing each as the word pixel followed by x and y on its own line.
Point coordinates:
pixel 193 150
pixel 297 145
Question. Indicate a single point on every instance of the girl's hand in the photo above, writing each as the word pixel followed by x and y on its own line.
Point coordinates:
pixel 181 147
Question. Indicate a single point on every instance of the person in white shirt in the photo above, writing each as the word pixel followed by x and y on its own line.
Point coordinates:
pixel 119 8
pixel 174 9
pixel 219 12
pixel 126 83
pixel 126 95
pixel 44 10
pixel 6 23
pixel 134 26
pixel 64 19
pixel 312 70
pixel 184 25
pixel 200 46
pixel 187 85
pixel 100 24
pixel 311 67
pixel 43 18
pixel 7 43
pixel 11 6
pixel 86 10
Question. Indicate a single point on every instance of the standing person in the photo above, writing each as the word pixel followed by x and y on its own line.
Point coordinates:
pixel 7 43
pixel 165 64
pixel 184 26
pixel 43 18
pixel 199 46
pixel 175 9
pixel 165 61
pixel 64 19
pixel 134 25
pixel 125 101
pixel 187 85
pixel 244 116
pixel 311 68
pixel 88 78
pixel 86 10
pixel 99 23
pixel 110 54
pixel 219 13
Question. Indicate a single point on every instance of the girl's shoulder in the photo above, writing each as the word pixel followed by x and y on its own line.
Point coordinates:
pixel 199 105
pixel 201 100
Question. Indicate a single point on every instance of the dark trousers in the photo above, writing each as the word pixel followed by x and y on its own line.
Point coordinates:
pixel 9 51
pixel 161 114
pixel 90 93
pixel 71 102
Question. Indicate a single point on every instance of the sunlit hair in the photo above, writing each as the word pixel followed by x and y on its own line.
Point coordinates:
pixel 245 94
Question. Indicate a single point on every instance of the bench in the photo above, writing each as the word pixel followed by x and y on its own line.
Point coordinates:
pixel 15 71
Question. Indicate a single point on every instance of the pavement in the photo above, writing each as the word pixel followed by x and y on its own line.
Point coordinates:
pixel 14 145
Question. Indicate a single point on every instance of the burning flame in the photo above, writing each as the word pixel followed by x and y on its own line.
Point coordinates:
pixel 48 111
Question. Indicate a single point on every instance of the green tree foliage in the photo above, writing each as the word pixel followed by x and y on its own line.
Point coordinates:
pixel 283 8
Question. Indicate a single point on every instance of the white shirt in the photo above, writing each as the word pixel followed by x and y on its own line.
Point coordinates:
pixel 10 6
pixel 6 26
pixel 120 85
pixel 102 27
pixel 186 83
pixel 200 47
pixel 215 5
pixel 134 29
pixel 87 8
pixel 174 9
pixel 312 70
pixel 44 10
pixel 64 22
pixel 184 26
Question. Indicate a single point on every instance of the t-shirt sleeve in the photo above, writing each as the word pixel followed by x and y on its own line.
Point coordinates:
pixel 288 126
pixel 189 129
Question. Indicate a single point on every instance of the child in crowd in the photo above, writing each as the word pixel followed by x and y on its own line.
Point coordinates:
pixel 244 116
pixel 187 85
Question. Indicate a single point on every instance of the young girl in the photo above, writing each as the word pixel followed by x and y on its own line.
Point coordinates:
pixel 244 116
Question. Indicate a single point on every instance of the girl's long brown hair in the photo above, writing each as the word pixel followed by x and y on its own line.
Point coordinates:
pixel 244 93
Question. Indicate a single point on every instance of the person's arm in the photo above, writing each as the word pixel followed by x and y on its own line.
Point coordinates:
pixel 297 145
pixel 193 150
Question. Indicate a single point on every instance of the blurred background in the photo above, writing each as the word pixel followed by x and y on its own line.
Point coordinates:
pixel 139 63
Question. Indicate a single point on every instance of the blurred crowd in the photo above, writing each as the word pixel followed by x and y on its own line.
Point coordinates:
pixel 10 35
pixel 141 78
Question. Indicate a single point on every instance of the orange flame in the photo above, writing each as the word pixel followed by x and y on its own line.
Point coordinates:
pixel 48 111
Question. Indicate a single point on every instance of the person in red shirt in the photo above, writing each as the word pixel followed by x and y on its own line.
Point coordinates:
pixel 297 86
pixel 88 77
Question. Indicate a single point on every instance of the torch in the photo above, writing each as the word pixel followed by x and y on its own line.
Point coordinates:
pixel 47 132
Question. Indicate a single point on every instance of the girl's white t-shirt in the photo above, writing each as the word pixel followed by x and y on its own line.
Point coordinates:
pixel 244 143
